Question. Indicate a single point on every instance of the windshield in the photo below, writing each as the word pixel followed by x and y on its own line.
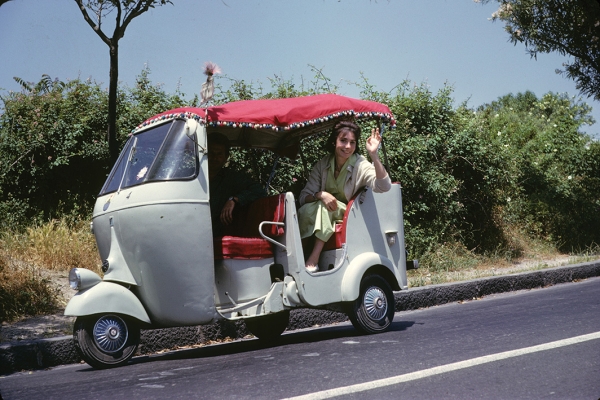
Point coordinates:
pixel 162 153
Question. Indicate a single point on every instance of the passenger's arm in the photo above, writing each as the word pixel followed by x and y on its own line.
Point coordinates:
pixel 249 190
pixel 372 146
pixel 313 185
pixel 312 191
pixel 327 199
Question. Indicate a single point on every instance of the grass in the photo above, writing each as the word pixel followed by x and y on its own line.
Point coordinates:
pixel 24 291
pixel 452 262
pixel 29 258
pixel 55 245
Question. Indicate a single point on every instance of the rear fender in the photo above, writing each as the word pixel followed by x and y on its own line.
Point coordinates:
pixel 357 269
pixel 106 297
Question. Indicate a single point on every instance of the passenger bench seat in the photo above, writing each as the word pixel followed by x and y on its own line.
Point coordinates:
pixel 246 243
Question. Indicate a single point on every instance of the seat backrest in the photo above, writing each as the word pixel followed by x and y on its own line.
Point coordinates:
pixel 339 236
pixel 271 209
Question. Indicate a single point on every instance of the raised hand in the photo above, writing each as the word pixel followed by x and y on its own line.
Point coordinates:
pixel 373 142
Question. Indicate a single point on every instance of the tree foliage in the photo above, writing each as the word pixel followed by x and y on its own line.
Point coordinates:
pixel 94 12
pixel 470 177
pixel 568 27
pixel 450 175
pixel 53 156
pixel 554 168
pixel 52 150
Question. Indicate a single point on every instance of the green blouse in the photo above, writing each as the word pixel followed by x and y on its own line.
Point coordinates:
pixel 336 186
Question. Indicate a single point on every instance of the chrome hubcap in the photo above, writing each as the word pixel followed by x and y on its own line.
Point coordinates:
pixel 110 333
pixel 375 303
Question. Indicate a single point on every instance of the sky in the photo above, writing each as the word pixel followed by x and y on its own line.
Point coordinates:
pixel 435 42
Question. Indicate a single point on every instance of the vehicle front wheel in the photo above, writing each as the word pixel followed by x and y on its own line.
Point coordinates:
pixel 373 310
pixel 268 327
pixel 106 341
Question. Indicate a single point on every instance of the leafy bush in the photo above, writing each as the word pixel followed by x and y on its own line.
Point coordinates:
pixel 141 102
pixel 554 181
pixel 53 150
pixel 471 178
pixel 450 175
pixel 280 173
pixel 53 155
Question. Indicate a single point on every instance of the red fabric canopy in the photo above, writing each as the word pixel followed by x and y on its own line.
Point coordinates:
pixel 293 111
pixel 283 113
pixel 278 124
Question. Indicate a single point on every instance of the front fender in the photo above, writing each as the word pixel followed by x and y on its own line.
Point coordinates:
pixel 106 297
pixel 356 270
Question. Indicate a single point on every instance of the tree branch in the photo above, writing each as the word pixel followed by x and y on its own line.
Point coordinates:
pixel 91 23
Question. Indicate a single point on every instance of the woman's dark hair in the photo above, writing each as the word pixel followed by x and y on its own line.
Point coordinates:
pixel 338 128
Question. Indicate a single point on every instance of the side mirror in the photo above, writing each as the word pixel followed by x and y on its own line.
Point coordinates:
pixel 191 126
pixel 191 130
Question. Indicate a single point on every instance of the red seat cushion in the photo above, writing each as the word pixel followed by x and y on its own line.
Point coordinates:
pixel 241 248
pixel 243 241
pixel 339 237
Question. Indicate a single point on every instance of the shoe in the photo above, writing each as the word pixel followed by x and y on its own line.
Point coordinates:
pixel 312 268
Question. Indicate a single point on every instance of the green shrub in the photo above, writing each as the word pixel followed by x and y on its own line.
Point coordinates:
pixel 470 178
pixel 53 155
pixel 451 176
pixel 555 185
pixel 53 150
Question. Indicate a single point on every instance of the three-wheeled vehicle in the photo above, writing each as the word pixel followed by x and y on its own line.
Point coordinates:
pixel 163 267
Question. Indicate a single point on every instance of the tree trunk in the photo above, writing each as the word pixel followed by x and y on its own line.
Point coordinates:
pixel 113 148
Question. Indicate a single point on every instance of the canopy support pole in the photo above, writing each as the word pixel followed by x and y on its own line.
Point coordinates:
pixel 272 173
pixel 385 157
pixel 303 162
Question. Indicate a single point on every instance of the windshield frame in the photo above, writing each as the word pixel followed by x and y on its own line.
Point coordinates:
pixel 121 170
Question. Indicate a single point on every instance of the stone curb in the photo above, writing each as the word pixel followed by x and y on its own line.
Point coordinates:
pixel 44 353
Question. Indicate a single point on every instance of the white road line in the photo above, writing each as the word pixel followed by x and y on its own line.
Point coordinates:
pixel 361 387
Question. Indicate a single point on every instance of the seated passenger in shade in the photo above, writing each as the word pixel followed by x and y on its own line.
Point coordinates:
pixel 334 180
pixel 228 188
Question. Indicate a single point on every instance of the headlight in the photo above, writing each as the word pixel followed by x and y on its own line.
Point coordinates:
pixel 74 278
pixel 81 278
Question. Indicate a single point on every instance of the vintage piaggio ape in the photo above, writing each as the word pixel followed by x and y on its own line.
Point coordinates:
pixel 163 267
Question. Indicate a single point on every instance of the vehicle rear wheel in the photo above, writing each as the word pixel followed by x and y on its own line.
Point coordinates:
pixel 373 311
pixel 268 327
pixel 106 341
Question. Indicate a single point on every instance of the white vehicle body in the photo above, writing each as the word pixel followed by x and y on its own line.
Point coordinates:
pixel 163 267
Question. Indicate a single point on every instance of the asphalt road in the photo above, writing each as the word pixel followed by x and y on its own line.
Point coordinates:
pixel 542 343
